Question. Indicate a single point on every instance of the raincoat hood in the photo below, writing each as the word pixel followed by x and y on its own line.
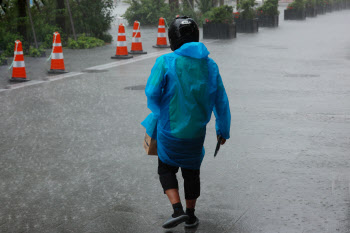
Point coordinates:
pixel 193 49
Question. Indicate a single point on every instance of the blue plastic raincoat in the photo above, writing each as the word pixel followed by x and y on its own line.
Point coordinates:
pixel 182 91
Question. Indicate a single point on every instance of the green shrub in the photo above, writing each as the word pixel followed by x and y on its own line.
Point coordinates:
pixel 7 42
pixel 329 2
pixel 2 59
pixel 310 3
pixel 84 42
pixel 72 44
pixel 8 34
pixel 297 4
pixel 93 17
pixel 147 12
pixel 321 3
pixel 44 33
pixel 270 7
pixel 8 52
pixel 222 14
pixel 106 37
pixel 34 52
pixel 247 7
pixel 48 40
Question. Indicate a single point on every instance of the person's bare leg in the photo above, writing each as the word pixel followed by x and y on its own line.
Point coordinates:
pixel 173 195
pixel 179 215
pixel 190 204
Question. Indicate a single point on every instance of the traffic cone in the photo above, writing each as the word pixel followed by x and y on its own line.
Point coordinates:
pixel 57 61
pixel 136 44
pixel 161 39
pixel 18 66
pixel 122 49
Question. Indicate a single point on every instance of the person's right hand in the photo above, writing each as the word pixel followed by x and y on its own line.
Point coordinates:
pixel 223 140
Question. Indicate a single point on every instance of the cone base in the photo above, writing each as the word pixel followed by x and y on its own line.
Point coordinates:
pixel 122 57
pixel 161 46
pixel 137 52
pixel 57 71
pixel 19 80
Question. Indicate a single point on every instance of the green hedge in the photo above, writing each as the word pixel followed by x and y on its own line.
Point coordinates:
pixel 297 4
pixel 310 3
pixel 85 42
pixel 222 14
pixel 270 7
pixel 247 7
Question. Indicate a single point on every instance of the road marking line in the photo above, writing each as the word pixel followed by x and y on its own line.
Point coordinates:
pixel 124 62
pixel 21 85
pixel 63 76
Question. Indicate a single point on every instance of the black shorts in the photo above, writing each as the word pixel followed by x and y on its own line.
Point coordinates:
pixel 167 177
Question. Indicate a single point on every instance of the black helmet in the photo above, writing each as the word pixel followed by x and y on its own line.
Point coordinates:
pixel 182 30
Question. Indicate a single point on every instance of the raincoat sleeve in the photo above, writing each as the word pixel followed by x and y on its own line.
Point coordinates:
pixel 154 92
pixel 155 85
pixel 222 110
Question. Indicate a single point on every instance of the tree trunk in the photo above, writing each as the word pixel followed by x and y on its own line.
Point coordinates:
pixel 22 14
pixel 222 2
pixel 71 20
pixel 32 24
pixel 60 16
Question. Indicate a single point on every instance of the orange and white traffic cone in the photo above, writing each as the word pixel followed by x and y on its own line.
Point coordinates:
pixel 57 60
pixel 18 66
pixel 136 44
pixel 161 39
pixel 122 49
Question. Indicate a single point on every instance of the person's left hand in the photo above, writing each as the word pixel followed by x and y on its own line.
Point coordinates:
pixel 223 140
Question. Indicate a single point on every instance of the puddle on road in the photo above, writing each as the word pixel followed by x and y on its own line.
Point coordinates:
pixel 136 88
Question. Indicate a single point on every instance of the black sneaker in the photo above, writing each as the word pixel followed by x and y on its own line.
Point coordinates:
pixel 175 220
pixel 192 222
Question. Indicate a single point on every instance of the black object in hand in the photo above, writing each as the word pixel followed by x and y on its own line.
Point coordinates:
pixel 218 146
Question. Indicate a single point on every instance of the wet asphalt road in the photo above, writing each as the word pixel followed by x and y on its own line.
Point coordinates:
pixel 71 156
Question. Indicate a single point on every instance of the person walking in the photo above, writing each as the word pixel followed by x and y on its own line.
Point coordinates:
pixel 183 90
